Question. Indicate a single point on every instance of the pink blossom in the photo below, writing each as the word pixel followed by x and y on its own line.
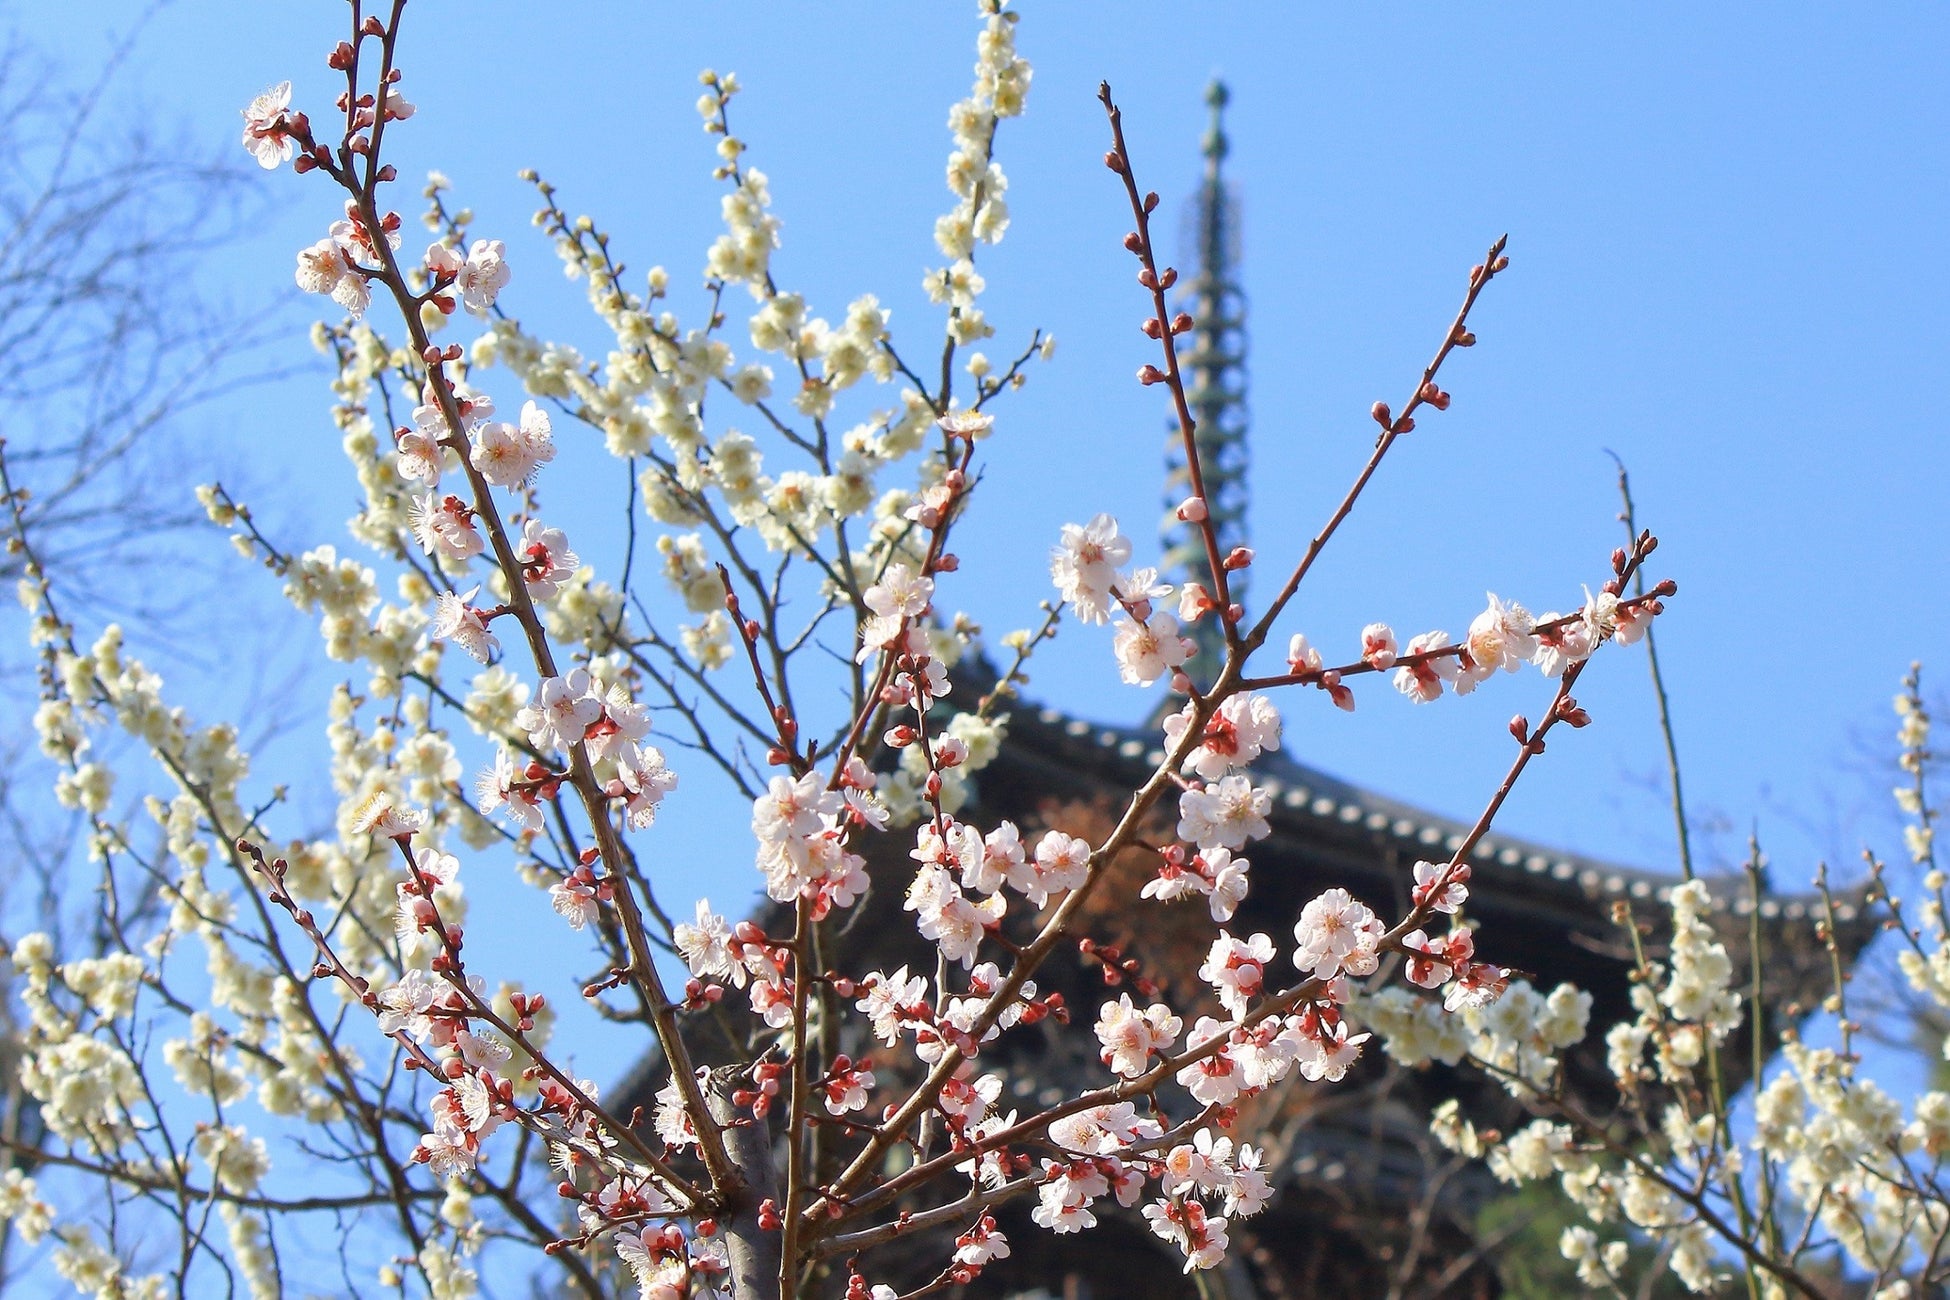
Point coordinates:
pixel 380 813
pixel 1062 862
pixel 1558 648
pixel 1001 859
pixel 404 1006
pixel 1063 1202
pixel 501 786
pixel 964 1102
pixel 981 1245
pixel 1195 602
pixel 327 267
pixel 772 1002
pixel 706 946
pixel 891 999
pixel 1201 1166
pixel 1214 1080
pixel 1477 984
pixel 966 424
pixel 1302 656
pixel 945 916
pixel 623 725
pixel 901 594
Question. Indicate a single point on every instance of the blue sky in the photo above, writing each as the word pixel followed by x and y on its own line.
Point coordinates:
pixel 1727 267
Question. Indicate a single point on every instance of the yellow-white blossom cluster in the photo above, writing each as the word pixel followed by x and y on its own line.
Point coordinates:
pixel 1828 1159
pixel 1517 1038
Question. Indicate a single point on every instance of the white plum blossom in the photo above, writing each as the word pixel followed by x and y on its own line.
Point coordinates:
pixel 890 1000
pixel 328 267
pixel 1150 649
pixel 421 455
pixel 1131 1036
pixel 1062 862
pixel 444 526
pixel 576 901
pixel 1236 969
pixel 1104 1129
pixel 1502 636
pixel 503 786
pixel 706 946
pixel 508 454
pixel 1001 859
pixel 1225 814
pixel 955 923
pixel 1084 566
pixel 267 132
pixel 1329 1054
pixel 483 275
pixel 562 713
pixel 1443 887
pixel 456 619
pixel 1378 646
pixel 546 560
pixel 1242 728
pixel 901 594
pixel 1422 682
pixel 644 779
pixel 1337 933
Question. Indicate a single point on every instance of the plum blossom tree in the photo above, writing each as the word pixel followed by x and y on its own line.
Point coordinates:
pixel 320 992
pixel 110 340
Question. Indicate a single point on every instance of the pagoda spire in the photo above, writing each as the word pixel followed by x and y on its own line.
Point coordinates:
pixel 1215 364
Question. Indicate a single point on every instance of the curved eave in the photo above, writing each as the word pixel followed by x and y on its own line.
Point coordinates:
pixel 1312 803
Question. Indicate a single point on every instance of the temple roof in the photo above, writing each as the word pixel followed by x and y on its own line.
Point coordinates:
pixel 1307 798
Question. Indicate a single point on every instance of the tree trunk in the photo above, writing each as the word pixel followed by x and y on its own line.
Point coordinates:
pixel 753 1251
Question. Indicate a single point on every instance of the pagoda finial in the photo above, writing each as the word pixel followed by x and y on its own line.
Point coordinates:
pixel 1215 364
